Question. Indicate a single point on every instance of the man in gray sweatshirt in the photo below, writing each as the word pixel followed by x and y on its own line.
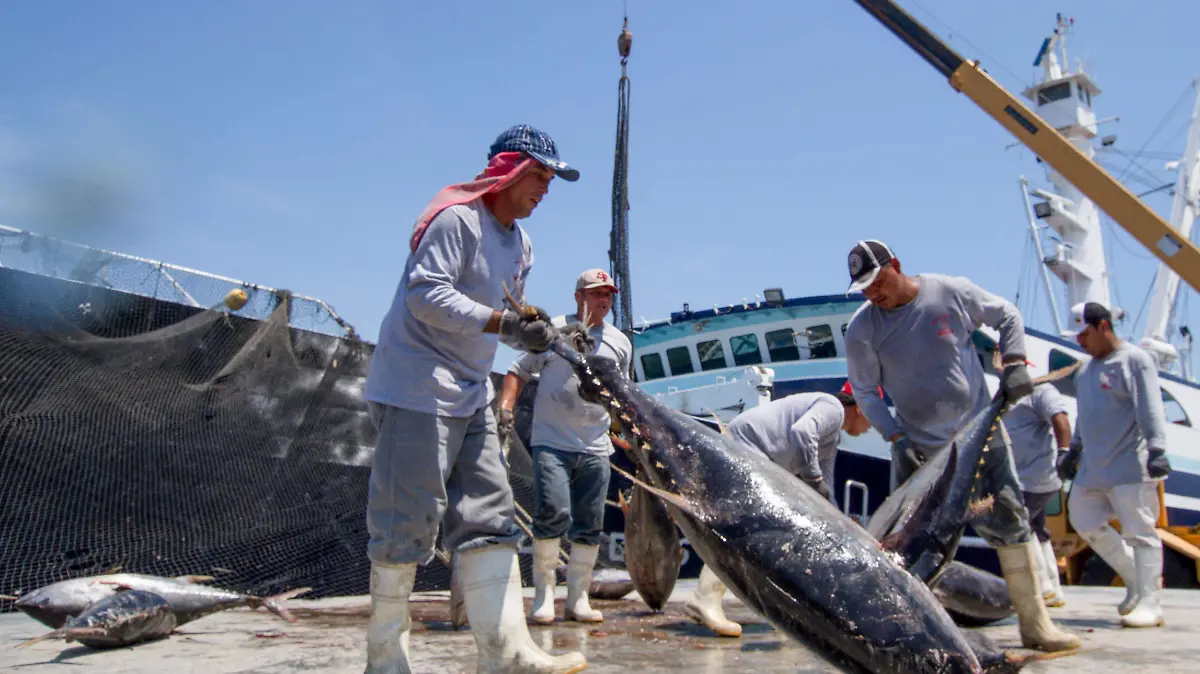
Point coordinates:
pixel 570 446
pixel 913 337
pixel 1119 451
pixel 437 458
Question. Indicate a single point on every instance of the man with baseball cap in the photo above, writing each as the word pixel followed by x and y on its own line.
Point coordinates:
pixel 913 337
pixel 1117 457
pixel 437 458
pixel 1036 425
pixel 570 446
pixel 799 432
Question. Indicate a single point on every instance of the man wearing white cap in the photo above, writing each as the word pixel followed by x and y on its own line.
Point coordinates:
pixel 1117 457
pixel 913 337
pixel 570 445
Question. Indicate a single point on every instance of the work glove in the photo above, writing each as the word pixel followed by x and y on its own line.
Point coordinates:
pixel 1157 465
pixel 1068 462
pixel 819 485
pixel 504 425
pixel 903 449
pixel 1016 382
pixel 532 334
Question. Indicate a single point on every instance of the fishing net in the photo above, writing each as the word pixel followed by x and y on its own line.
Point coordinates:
pixel 145 425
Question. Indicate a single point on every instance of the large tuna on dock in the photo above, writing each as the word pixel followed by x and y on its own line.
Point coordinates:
pixel 120 619
pixel 785 551
pixel 54 604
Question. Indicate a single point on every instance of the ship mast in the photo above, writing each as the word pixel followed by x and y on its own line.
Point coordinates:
pixel 1064 99
pixel 1166 283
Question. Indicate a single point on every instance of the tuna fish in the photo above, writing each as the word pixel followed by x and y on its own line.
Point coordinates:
pixel 653 553
pixel 119 619
pixel 973 597
pixel 54 604
pixel 785 551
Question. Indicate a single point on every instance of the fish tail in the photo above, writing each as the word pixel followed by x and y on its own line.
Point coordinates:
pixel 1014 662
pixel 49 635
pixel 78 632
pixel 274 603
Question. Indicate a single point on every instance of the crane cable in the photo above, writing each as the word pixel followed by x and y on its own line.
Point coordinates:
pixel 618 253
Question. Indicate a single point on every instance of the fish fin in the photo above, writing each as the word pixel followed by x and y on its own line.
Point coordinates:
pixel 9 597
pixel 76 633
pixel 110 570
pixel 623 503
pixel 194 579
pixel 720 424
pixel 274 605
pixel 49 635
pixel 117 585
pixel 674 499
pixel 1020 660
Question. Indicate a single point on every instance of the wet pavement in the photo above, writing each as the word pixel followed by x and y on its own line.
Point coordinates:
pixel 329 634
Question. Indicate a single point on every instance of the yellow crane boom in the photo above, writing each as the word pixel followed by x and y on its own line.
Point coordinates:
pixel 1181 255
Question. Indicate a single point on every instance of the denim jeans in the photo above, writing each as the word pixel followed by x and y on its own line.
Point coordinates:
pixel 569 490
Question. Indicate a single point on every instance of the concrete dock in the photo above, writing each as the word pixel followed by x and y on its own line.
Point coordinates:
pixel 328 636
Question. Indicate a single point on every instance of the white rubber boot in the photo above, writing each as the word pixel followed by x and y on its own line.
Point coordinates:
pixel 1051 588
pixel 390 623
pixel 1107 543
pixel 704 606
pixel 545 579
pixel 1148 612
pixel 579 579
pixel 1019 564
pixel 491 582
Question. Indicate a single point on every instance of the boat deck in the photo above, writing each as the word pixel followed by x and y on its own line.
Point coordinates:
pixel 328 636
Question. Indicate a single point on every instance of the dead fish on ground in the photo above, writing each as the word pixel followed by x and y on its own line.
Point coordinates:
pixel 121 619
pixel 610 584
pixel 54 604
pixel 972 596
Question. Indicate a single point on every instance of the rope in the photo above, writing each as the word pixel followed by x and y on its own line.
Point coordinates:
pixel 618 253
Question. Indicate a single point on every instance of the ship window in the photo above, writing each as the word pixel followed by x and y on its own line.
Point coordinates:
pixel 781 345
pixel 1059 360
pixel 745 350
pixel 680 360
pixel 712 355
pixel 820 342
pixel 1174 410
pixel 652 366
pixel 1055 93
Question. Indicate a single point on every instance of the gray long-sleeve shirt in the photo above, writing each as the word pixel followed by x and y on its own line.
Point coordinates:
pixel 1034 449
pixel 922 355
pixel 433 355
pixel 799 432
pixel 562 419
pixel 1119 417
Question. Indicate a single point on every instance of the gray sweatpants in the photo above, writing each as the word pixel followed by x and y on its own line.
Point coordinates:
pixel 1134 505
pixel 1006 522
pixel 430 471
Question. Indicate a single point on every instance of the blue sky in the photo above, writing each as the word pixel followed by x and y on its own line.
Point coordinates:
pixel 293 143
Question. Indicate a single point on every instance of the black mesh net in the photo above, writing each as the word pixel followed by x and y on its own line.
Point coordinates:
pixel 144 425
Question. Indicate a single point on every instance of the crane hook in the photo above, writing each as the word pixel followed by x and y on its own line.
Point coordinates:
pixel 624 41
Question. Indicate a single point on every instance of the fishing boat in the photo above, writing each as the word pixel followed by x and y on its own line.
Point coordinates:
pixel 715 363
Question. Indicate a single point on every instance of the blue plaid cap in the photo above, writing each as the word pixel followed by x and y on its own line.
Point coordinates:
pixel 535 143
